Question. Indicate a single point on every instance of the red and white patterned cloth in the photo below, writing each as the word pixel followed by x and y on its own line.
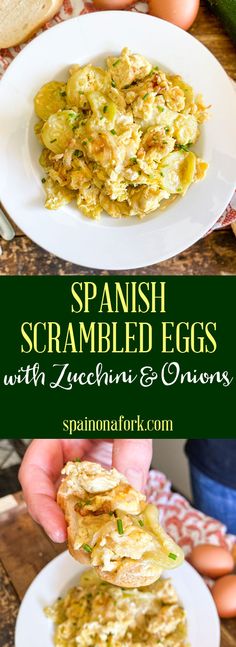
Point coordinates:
pixel 186 525
pixel 70 9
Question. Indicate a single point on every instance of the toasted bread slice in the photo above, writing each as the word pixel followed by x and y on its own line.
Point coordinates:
pixel 21 19
pixel 71 517
pixel 112 528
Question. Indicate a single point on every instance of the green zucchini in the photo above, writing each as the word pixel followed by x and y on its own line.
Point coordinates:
pixel 226 10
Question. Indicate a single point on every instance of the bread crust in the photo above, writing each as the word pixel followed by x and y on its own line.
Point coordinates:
pixel 23 26
pixel 67 504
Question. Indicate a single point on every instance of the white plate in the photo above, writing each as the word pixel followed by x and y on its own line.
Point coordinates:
pixel 110 243
pixel 33 628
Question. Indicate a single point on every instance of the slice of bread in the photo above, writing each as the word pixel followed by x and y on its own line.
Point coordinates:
pixel 112 527
pixel 20 19
pixel 67 504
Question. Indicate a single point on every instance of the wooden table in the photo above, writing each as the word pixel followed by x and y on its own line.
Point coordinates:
pixel 24 551
pixel 214 254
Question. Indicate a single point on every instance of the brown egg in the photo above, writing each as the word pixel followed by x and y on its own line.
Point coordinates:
pixel 112 4
pixel 212 561
pixel 224 594
pixel 181 12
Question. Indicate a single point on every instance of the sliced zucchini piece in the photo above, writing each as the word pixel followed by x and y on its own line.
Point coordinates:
pixel 57 131
pixel 50 98
pixel 85 79
pixel 186 129
pixel 101 107
pixel 168 554
pixel 177 171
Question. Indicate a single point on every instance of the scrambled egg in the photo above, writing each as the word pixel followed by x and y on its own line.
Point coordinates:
pixel 112 528
pixel 118 138
pixel 97 614
pixel 90 477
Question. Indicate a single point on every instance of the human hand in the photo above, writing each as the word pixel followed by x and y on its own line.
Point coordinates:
pixel 40 471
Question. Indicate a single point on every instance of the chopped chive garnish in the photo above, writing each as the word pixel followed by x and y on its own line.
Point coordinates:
pixel 145 96
pixel 112 131
pixel 139 172
pixel 133 159
pixel 183 147
pixel 110 514
pixel 87 548
pixel 120 527
pixel 78 153
pixel 105 108
pixel 167 129
pixel 164 142
pixel 53 140
pixel 77 460
pixel 87 502
pixel 153 70
pixel 160 108
pixel 162 174
pixel 116 62
pixel 84 142
pixel 172 556
pixel 43 180
pixel 90 139
pixel 63 94
pixel 141 523
pixel 113 84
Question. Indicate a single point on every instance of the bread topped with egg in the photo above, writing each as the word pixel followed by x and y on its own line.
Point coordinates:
pixel 112 528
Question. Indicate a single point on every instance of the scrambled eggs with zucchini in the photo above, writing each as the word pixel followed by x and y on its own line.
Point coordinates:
pixel 97 614
pixel 118 139
pixel 112 528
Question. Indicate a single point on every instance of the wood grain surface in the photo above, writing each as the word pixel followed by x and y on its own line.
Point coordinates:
pixel 24 551
pixel 215 254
